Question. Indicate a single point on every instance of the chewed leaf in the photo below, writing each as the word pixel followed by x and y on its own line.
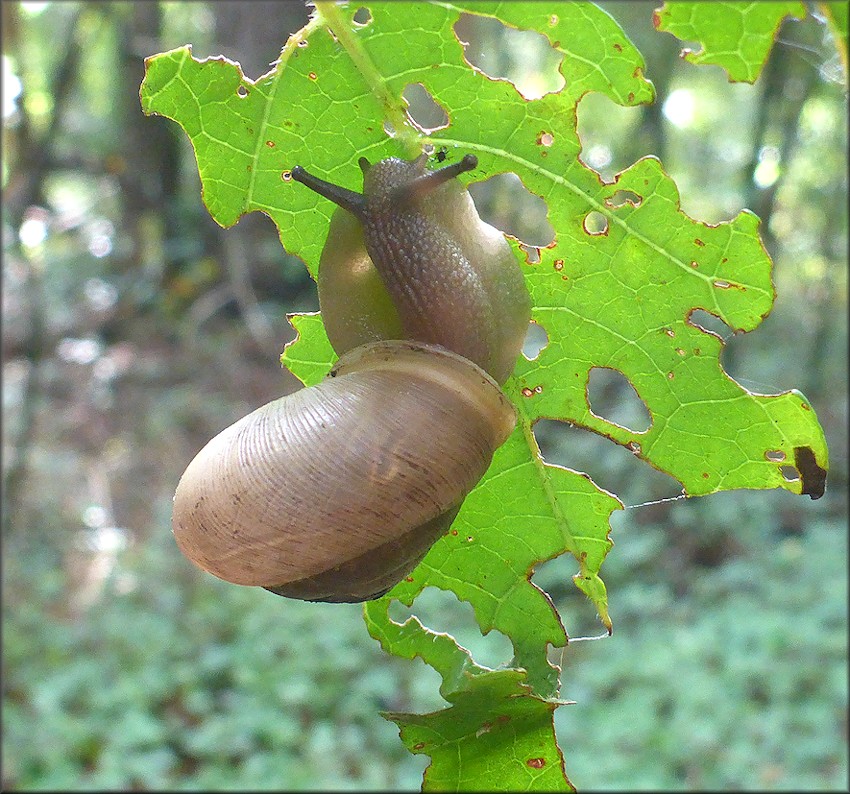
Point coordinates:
pixel 736 36
pixel 625 300
pixel 309 356
pixel 522 513
pixel 496 736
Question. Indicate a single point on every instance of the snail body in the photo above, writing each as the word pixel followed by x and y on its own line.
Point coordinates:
pixel 336 492
pixel 411 259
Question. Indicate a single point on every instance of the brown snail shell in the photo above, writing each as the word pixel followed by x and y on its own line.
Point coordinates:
pixel 334 493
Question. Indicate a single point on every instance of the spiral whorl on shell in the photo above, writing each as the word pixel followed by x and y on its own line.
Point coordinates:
pixel 301 494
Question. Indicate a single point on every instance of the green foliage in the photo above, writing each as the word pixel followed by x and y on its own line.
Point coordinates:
pixel 736 36
pixel 206 686
pixel 712 679
pixel 619 297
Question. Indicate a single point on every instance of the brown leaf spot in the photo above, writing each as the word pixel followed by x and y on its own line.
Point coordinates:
pixel 559 264
pixel 618 47
pixel 536 763
pixel 699 242
pixel 418 745
pixel 812 475
pixel 312 75
pixel 270 144
pixel 526 392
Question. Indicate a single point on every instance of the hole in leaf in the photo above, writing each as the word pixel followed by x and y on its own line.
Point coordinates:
pixel 595 223
pixel 536 340
pixel 504 201
pixel 609 465
pixel 523 58
pixel 427 114
pixel 622 198
pixel 242 91
pixel 709 323
pixel 774 455
pixel 442 611
pixel 613 398
pixel 602 127
pixel 532 254
pixel 790 473
pixel 362 17
pixel 555 578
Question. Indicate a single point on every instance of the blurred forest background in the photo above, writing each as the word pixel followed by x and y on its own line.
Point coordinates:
pixel 134 329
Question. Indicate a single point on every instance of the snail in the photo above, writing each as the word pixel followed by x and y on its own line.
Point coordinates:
pixel 336 492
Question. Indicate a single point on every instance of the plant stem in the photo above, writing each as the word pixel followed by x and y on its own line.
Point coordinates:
pixel 394 110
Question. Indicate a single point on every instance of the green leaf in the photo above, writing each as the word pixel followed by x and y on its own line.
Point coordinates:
pixel 495 737
pixel 734 35
pixel 625 300
pixel 619 294
pixel 309 356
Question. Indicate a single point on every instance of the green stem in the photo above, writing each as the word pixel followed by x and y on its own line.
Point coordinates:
pixel 394 110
